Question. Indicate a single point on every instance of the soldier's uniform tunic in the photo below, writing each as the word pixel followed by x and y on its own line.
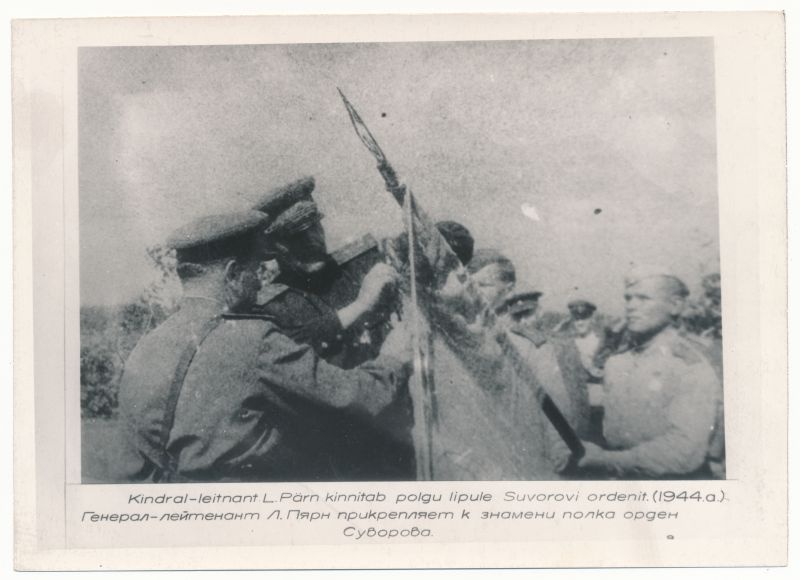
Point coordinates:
pixel 301 312
pixel 253 405
pixel 306 309
pixel 661 399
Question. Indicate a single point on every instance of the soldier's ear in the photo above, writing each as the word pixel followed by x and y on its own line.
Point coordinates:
pixel 232 270
pixel 678 305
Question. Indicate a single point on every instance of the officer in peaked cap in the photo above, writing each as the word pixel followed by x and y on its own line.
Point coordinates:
pixel 661 396
pixel 587 334
pixel 216 393
pixel 339 303
pixel 581 309
pixel 208 240
pixel 520 305
pixel 554 360
pixel 292 207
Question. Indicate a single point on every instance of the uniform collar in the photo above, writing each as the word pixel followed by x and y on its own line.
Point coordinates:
pixel 660 342
pixel 202 304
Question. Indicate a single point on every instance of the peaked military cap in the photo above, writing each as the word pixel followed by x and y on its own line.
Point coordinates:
pixel 520 302
pixel 581 309
pixel 217 236
pixel 291 207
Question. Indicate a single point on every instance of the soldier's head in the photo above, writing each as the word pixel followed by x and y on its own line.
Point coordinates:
pixel 459 238
pixel 218 257
pixel 295 237
pixel 452 286
pixel 654 299
pixel 493 274
pixel 581 313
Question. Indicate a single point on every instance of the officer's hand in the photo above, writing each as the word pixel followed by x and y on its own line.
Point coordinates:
pixel 378 280
pixel 398 343
pixel 593 456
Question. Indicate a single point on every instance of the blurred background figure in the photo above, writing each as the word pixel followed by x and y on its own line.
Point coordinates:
pixel 554 361
pixel 583 330
pixel 586 332
pixel 701 322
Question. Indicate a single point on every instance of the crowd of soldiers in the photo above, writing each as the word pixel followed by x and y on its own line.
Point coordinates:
pixel 306 378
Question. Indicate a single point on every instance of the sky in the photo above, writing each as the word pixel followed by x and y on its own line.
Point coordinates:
pixel 577 158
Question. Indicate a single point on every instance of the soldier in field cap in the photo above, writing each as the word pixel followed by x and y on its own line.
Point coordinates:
pixel 581 309
pixel 553 360
pixel 661 395
pixel 339 303
pixel 217 393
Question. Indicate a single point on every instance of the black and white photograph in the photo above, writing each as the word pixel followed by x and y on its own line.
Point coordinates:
pixel 400 292
pixel 403 261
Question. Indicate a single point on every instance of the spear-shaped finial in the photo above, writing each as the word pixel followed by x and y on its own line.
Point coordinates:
pixel 361 130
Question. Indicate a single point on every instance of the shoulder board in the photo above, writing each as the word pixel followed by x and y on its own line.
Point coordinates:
pixel 354 249
pixel 247 316
pixel 687 352
pixel 537 337
pixel 271 292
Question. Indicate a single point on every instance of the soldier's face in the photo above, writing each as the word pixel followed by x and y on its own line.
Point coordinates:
pixel 583 326
pixel 305 252
pixel 650 306
pixel 490 285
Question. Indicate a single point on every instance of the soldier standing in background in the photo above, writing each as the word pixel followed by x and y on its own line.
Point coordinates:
pixel 217 393
pixel 705 329
pixel 554 360
pixel 583 334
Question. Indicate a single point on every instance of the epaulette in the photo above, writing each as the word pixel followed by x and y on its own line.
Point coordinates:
pixel 271 292
pixel 247 316
pixel 354 249
pixel 537 337
pixel 689 354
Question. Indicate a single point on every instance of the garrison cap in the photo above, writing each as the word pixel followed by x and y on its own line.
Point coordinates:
pixel 217 236
pixel 520 302
pixel 643 272
pixel 581 309
pixel 291 207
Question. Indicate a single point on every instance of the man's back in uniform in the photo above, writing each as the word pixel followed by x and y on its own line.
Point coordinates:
pixel 216 395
